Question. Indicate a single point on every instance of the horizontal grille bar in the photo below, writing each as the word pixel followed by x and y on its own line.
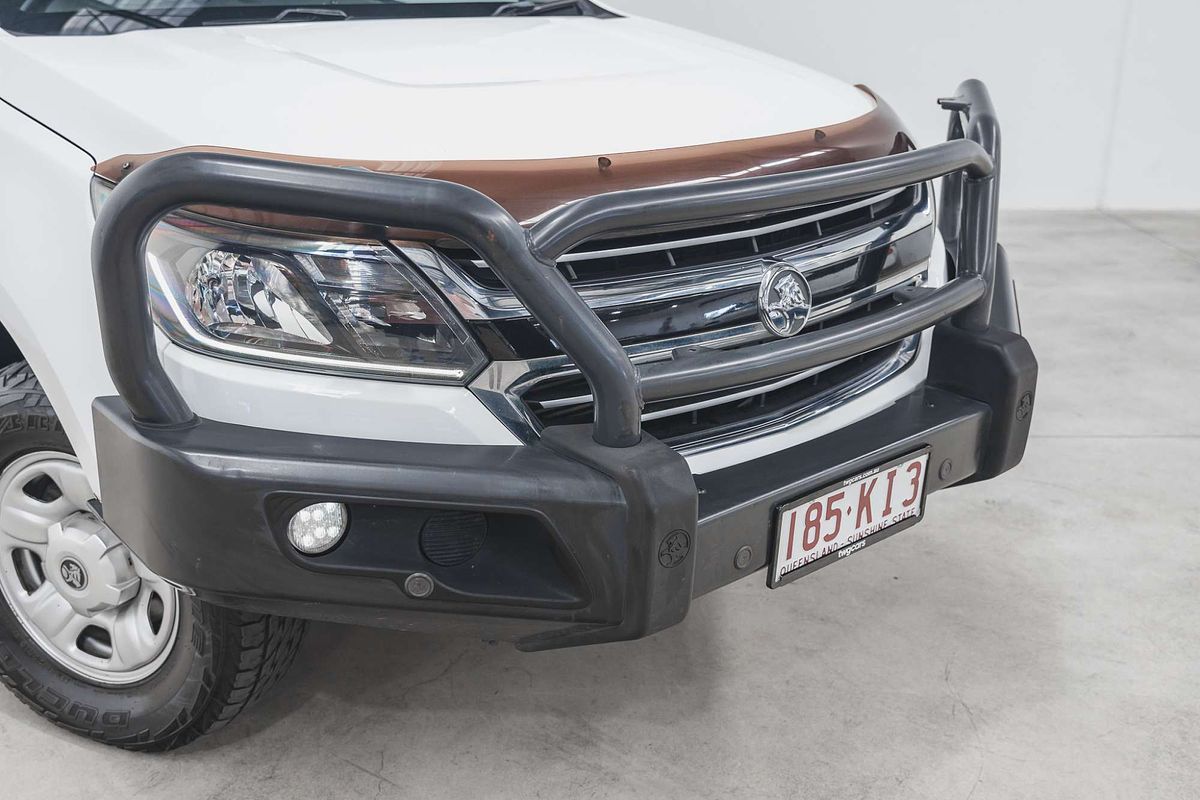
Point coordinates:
pixel 832 215
pixel 711 370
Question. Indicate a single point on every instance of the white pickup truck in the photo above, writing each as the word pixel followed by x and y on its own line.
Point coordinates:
pixel 531 321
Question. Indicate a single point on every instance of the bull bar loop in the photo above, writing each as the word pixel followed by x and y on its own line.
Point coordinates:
pixel 969 163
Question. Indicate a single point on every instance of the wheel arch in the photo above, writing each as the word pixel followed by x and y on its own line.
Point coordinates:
pixel 9 352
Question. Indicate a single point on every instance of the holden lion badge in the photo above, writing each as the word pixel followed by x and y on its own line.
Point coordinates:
pixel 784 299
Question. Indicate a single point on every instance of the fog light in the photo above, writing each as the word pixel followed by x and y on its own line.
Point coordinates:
pixel 318 528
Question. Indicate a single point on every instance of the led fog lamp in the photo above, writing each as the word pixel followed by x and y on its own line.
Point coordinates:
pixel 341 305
pixel 318 528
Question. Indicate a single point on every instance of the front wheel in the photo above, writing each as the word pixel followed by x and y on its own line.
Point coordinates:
pixel 89 636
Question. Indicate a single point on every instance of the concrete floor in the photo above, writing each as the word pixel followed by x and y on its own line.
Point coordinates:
pixel 1037 637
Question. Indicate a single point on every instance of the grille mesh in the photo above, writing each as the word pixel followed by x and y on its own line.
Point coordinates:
pixel 452 538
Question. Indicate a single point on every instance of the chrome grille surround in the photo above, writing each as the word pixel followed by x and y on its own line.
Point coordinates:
pixel 503 385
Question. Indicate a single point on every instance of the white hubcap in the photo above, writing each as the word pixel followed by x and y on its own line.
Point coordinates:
pixel 78 592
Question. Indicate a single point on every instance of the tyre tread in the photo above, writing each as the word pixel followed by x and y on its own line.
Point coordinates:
pixel 263 647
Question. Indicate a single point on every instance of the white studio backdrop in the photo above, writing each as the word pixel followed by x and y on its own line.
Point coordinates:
pixel 1098 98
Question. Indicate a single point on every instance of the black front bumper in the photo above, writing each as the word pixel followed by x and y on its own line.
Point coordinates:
pixel 596 533
pixel 581 546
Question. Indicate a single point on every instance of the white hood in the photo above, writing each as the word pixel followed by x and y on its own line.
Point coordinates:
pixel 419 90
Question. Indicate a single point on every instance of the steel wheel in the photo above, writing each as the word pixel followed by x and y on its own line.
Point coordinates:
pixel 76 590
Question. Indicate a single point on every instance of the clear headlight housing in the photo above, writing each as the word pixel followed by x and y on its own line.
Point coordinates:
pixel 327 305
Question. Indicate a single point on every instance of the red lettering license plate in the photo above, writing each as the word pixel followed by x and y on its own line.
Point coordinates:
pixel 840 520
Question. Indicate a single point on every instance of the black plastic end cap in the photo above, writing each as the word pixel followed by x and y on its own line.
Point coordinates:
pixel 996 367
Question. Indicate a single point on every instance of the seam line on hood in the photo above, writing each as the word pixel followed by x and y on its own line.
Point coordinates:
pixel 32 118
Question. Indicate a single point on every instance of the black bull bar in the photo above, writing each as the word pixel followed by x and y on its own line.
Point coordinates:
pixel 621 534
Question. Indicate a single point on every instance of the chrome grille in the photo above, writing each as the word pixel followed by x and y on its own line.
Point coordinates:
pixel 644 284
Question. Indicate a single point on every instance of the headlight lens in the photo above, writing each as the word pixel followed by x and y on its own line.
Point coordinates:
pixel 329 305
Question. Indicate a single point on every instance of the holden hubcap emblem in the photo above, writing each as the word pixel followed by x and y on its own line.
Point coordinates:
pixel 73 574
pixel 784 299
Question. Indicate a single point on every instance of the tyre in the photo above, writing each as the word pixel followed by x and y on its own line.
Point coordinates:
pixel 89 637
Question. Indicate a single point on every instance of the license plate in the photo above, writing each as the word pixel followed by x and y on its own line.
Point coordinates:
pixel 840 520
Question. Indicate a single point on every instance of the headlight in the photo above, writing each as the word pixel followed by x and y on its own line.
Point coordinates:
pixel 340 305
